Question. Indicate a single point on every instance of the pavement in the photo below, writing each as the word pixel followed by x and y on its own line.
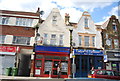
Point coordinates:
pixel 19 78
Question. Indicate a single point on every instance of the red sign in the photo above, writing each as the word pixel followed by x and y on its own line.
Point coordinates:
pixel 7 49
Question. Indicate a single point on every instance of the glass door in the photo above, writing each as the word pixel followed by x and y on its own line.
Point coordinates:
pixel 56 68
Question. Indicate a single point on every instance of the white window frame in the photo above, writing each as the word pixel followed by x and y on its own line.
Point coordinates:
pixel 45 41
pixel 53 39
pixel 61 40
pixel 116 43
pixel 4 20
pixel 86 22
pixel 2 39
pixel 93 41
pixel 54 20
pixel 21 40
pixel 87 41
pixel 24 22
pixel 80 40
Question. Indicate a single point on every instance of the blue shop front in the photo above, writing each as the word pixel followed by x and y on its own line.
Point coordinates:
pixel 86 59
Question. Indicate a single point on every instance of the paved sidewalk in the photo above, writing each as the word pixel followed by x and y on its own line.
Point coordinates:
pixel 20 77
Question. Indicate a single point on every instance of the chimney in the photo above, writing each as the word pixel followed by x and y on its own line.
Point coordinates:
pixel 38 10
pixel 67 19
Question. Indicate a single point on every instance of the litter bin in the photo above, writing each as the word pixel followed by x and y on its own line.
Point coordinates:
pixel 8 71
pixel 14 71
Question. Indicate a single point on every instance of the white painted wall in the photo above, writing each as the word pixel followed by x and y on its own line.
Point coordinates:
pixel 59 28
pixel 92 30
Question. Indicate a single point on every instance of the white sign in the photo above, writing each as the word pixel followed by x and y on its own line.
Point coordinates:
pixel 105 58
pixel 37 72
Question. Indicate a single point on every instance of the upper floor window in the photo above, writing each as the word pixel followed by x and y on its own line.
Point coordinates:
pixel 86 22
pixel 80 40
pixel 116 43
pixel 4 20
pixel 93 41
pixel 61 40
pixel 24 22
pixel 114 28
pixel 45 38
pixel 54 20
pixel 2 39
pixel 53 39
pixel 86 39
pixel 21 40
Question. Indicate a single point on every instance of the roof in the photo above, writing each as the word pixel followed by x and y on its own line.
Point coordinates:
pixel 19 12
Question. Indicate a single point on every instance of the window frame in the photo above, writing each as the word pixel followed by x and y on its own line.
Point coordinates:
pixel 53 39
pixel 18 39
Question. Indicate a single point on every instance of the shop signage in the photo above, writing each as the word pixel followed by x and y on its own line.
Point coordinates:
pixel 88 52
pixel 52 49
pixel 9 50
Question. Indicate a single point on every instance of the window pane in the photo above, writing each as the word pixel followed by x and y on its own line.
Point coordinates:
pixel 38 63
pixel 54 19
pixel 45 38
pixel 53 39
pixel 2 39
pixel 24 22
pixel 116 44
pixel 80 40
pixel 4 20
pixel 61 40
pixel 86 22
pixel 93 41
pixel 86 40
pixel 21 40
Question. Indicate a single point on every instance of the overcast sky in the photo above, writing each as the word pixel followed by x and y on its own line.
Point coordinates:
pixel 100 10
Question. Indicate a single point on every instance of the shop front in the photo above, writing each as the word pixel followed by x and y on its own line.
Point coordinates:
pixel 52 62
pixel 7 58
pixel 85 60
pixel 113 60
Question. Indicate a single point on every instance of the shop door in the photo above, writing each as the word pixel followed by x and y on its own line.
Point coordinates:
pixel 85 66
pixel 56 68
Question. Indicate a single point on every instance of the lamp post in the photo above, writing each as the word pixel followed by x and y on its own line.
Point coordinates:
pixel 72 54
pixel 37 36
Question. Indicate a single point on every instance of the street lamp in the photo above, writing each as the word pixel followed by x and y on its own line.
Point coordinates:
pixel 37 36
pixel 72 54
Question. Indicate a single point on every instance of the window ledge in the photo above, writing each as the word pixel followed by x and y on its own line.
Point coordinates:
pixel 86 27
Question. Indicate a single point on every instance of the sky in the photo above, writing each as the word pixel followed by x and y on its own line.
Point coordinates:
pixel 100 10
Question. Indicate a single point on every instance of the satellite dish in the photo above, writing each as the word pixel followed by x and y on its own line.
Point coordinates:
pixel 41 12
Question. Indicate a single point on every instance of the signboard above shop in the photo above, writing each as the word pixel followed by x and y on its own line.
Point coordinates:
pixel 88 52
pixel 7 50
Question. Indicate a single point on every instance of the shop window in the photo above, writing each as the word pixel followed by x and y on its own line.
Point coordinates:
pixel 49 57
pixel 2 39
pixel 64 67
pixel 64 58
pixel 38 64
pixel 4 20
pixel 77 62
pixel 21 40
pixel 24 22
pixel 48 67
pixel 56 57
pixel 84 63
pixel 39 56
